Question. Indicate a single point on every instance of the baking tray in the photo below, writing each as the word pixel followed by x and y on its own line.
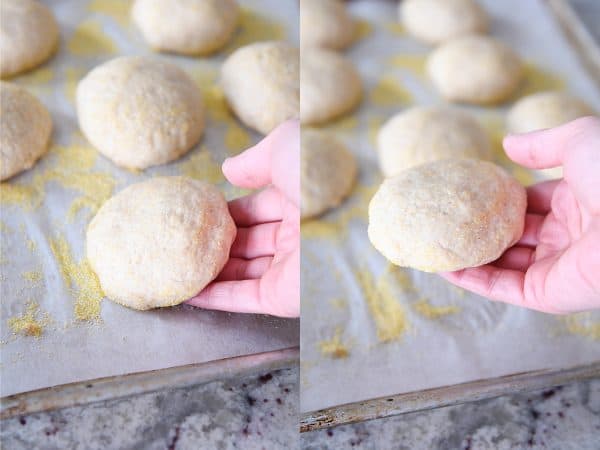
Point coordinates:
pixel 337 341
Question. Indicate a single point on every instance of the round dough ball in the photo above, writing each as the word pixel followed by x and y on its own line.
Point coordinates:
pixel 189 27
pixel 261 84
pixel 475 69
pixel 140 112
pixel 437 21
pixel 330 86
pixel 425 134
pixel 28 35
pixel 160 242
pixel 326 24
pixel 545 110
pixel 25 129
pixel 328 173
pixel 447 215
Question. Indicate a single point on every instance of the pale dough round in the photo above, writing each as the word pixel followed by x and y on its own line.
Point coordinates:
pixel 28 35
pixel 423 134
pixel 261 84
pixel 330 86
pixel 160 242
pixel 189 27
pixel 475 69
pixel 545 110
pixel 437 21
pixel 447 215
pixel 326 24
pixel 328 172
pixel 25 129
pixel 139 111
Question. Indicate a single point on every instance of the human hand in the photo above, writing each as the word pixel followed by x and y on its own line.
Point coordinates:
pixel 555 266
pixel 263 272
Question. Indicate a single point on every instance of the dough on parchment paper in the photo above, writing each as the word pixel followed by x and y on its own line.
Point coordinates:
pixel 140 112
pixel 475 69
pixel 160 242
pixel 325 24
pixel 189 27
pixel 423 134
pixel 437 21
pixel 545 110
pixel 328 172
pixel 28 35
pixel 447 215
pixel 330 86
pixel 25 130
pixel 261 83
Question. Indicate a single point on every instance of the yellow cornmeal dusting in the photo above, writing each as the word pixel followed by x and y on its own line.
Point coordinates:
pixel 4 228
pixel 538 80
pixel 334 347
pixel 339 303
pixel 395 28
pixel 387 312
pixel 426 309
pixel 116 9
pixel 33 276
pixel 373 126
pixel 315 229
pixel 254 27
pixel 31 245
pixel 36 78
pixel 388 92
pixel 414 63
pixel 80 279
pixel 15 194
pixel 90 40
pixel 30 323
pixel 363 29
pixel 236 138
pixel 358 209
pixel 583 324
pixel 496 131
pixel 72 77
pixel 346 123
pixel 202 166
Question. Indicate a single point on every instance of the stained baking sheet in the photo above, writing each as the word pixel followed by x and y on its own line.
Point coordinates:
pixel 55 326
pixel 371 330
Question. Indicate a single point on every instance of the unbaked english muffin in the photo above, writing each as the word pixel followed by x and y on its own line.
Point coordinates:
pixel 475 69
pixel 428 133
pixel 447 215
pixel 189 27
pixel 159 242
pixel 330 86
pixel 328 172
pixel 25 129
pixel 28 35
pixel 437 21
pixel 326 24
pixel 140 112
pixel 261 83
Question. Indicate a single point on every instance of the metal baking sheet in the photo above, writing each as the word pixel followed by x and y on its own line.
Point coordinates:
pixel 55 326
pixel 371 330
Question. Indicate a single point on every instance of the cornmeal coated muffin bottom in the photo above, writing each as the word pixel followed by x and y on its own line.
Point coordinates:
pixel 447 215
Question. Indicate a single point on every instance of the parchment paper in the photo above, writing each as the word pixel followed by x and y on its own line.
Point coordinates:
pixel 370 329
pixel 122 340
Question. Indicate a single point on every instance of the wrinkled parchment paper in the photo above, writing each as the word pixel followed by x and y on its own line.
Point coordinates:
pixel 370 329
pixel 48 299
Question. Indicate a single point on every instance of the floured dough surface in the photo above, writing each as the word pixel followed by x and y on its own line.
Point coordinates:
pixel 475 69
pixel 160 242
pixel 25 130
pixel 326 24
pixel 139 111
pixel 545 110
pixel 437 21
pixel 328 172
pixel 447 215
pixel 261 83
pixel 189 27
pixel 330 86
pixel 28 35
pixel 423 134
